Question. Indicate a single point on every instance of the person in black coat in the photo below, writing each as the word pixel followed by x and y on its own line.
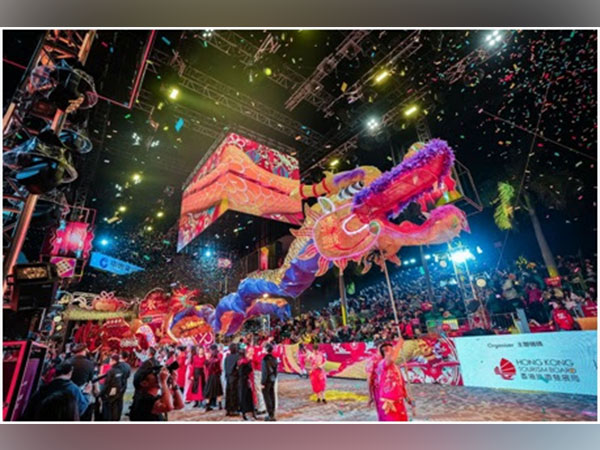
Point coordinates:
pixel 245 380
pixel 84 371
pixel 231 376
pixel 113 389
pixel 268 379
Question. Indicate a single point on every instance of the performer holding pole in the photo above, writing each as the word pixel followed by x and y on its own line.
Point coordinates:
pixel 390 386
pixel 402 361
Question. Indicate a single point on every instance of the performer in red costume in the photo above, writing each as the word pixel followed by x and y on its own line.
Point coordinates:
pixel 302 360
pixel 389 384
pixel 196 376
pixel 182 360
pixel 371 365
pixel 318 377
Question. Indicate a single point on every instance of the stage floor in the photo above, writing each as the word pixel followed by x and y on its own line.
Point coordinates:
pixel 434 403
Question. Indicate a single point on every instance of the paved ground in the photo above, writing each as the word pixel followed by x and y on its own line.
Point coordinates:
pixel 434 403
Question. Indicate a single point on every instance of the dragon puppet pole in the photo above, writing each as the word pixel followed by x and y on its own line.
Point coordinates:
pixel 427 276
pixel 402 360
pixel 343 305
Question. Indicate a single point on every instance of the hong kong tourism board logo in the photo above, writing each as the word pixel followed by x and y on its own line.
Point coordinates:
pixel 505 369
pixel 543 369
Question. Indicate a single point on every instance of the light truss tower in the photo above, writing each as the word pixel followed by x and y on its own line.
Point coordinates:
pixel 55 45
pixel 348 48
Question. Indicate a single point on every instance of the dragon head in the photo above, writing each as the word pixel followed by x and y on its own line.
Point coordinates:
pixel 354 217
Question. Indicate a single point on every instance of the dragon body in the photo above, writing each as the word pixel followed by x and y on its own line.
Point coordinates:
pixel 352 221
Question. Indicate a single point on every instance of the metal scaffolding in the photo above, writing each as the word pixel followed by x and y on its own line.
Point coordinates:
pixel 351 143
pixel 405 48
pixel 231 98
pixel 348 48
pixel 473 59
pixel 206 126
pixel 234 45
pixel 55 45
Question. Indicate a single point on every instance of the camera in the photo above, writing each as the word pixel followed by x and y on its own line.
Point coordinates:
pixel 171 368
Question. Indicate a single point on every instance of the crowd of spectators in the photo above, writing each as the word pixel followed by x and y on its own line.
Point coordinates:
pixel 472 308
pixel 163 267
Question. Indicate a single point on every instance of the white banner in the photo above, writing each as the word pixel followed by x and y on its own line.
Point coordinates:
pixel 551 362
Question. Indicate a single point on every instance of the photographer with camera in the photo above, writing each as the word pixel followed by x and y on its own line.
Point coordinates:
pixel 156 395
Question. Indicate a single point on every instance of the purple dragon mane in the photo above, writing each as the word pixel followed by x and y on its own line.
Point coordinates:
pixel 349 175
pixel 434 148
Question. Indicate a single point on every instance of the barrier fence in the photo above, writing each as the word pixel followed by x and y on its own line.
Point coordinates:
pixel 549 362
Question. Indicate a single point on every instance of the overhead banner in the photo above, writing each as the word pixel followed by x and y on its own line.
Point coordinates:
pixel 112 265
pixel 550 362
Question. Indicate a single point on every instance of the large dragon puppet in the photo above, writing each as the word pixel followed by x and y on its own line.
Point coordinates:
pixel 351 221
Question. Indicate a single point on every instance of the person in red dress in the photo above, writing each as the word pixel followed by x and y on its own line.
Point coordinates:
pixel 371 365
pixel 318 377
pixel 181 371
pixel 196 376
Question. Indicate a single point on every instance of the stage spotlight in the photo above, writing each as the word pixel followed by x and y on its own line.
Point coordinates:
pixel 265 295
pixel 207 33
pixel 460 256
pixel 413 260
pixel 149 228
pixel 174 93
pixel 373 124
pixel 411 110
pixel 268 72
pixel 104 242
pixel 405 263
pixel 122 208
pixel 427 257
pixel 478 249
pixel 136 178
pixel 334 162
pixel 160 214
pixel 382 76
pixel 493 38
pixel 208 253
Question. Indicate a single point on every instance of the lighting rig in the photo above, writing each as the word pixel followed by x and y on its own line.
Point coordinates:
pixel 349 48
pixel 234 45
pixel 42 132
